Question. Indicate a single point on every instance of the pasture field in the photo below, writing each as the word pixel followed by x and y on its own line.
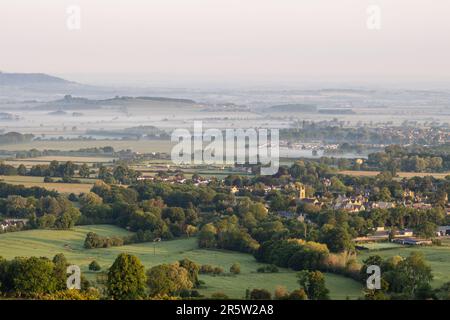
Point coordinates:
pixel 28 162
pixel 438 257
pixel 27 181
pixel 50 242
pixel 142 146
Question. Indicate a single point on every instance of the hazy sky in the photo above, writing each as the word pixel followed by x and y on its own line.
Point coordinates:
pixel 235 40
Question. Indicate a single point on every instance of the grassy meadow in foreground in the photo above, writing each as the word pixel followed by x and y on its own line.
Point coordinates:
pixel 49 242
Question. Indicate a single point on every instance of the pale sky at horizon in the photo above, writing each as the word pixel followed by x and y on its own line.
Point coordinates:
pixel 229 39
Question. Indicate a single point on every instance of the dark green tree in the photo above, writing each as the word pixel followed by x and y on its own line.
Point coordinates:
pixel 126 278
pixel 94 266
pixel 313 283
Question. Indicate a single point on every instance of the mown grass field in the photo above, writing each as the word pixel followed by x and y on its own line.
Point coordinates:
pixel 438 257
pixel 48 243
pixel 27 181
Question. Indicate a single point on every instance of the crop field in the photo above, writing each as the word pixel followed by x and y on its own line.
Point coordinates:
pixel 60 187
pixel 48 243
pixel 438 257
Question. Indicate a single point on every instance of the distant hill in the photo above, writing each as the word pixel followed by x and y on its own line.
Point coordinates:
pixel 34 88
pixel 337 111
pixel 295 107
pixel 57 113
pixel 26 79
pixel 134 133
pixel 79 103
pixel 41 86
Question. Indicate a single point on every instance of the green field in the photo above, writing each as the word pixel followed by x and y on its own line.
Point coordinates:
pixel 27 181
pixel 48 243
pixel 143 146
pixel 437 257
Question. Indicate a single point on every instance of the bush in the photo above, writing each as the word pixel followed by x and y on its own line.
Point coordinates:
pixel 209 269
pixel 94 240
pixel 73 197
pixel 436 242
pixel 281 293
pixel 190 294
pixel 94 266
pixel 235 268
pixel 91 294
pixel 298 294
pixel 268 269
pixel 206 269
pixel 219 296
pixel 260 294
pixel 218 271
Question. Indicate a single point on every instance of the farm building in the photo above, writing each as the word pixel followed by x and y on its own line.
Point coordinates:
pixel 412 241
pixel 443 231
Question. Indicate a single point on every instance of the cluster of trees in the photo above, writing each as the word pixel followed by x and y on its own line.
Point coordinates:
pixel 54 169
pixel 403 278
pixel 296 254
pixel 8 170
pixel 395 158
pixel 19 190
pixel 46 212
pixel 94 240
pixel 299 254
pixel 93 151
pixel 42 208
pixel 150 219
pixel 226 234
pixel 64 170
pixel 42 278
pixel 36 277
pixel 127 279
pixel 216 270
pixel 332 132
pixel 173 279
pixel 312 287
pixel 211 270
pixel 423 222
pixel 119 174
pixel 15 137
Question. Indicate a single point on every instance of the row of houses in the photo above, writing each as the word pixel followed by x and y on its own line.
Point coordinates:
pixel 176 180
pixel 361 203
